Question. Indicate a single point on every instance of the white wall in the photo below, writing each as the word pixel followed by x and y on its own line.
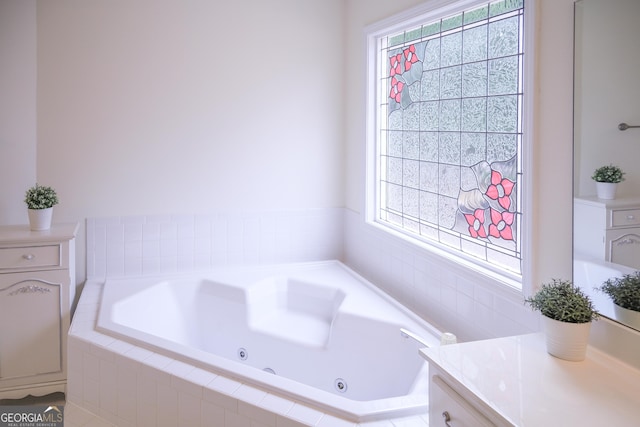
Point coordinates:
pixel 471 305
pixel 197 106
pixel 154 106
pixel 610 93
pixel 17 107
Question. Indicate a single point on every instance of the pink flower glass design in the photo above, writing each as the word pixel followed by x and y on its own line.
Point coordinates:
pixel 501 223
pixel 396 65
pixel 476 223
pixel 396 89
pixel 500 189
pixel 410 57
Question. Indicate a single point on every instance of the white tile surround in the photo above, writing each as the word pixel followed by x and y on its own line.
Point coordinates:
pixel 130 386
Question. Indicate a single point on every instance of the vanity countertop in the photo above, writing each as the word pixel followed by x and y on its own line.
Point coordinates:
pixel 518 379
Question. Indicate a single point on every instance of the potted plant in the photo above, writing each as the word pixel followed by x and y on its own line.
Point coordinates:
pixel 607 179
pixel 625 293
pixel 40 201
pixel 567 313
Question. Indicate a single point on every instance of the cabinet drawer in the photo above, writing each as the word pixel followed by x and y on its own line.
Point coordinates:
pixel 448 408
pixel 29 257
pixel 625 217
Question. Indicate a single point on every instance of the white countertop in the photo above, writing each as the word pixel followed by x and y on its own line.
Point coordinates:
pixel 518 379
pixel 19 234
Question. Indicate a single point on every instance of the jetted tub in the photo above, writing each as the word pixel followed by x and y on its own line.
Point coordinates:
pixel 316 333
pixel 589 273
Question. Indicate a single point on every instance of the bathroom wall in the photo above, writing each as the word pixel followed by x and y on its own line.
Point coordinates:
pixel 198 106
pixel 17 107
pixel 470 304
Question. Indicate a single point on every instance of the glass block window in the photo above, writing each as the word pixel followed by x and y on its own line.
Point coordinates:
pixel 449 132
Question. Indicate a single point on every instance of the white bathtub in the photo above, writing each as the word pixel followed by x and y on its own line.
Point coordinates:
pixel 589 273
pixel 315 333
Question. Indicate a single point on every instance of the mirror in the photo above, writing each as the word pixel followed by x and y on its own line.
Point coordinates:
pixel 606 93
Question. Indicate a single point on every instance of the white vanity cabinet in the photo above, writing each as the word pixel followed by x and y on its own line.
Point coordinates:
pixel 37 287
pixel 448 408
pixel 608 229
pixel 513 381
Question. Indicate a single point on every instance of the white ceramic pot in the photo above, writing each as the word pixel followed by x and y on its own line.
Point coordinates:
pixel 606 190
pixel 626 316
pixel 567 341
pixel 40 219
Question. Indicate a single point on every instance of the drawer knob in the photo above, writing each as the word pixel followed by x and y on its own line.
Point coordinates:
pixel 28 257
pixel 630 217
pixel 446 417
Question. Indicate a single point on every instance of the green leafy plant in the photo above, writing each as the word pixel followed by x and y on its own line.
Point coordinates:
pixel 40 197
pixel 562 300
pixel 624 291
pixel 609 173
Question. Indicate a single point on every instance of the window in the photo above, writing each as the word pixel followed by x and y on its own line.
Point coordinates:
pixel 447 127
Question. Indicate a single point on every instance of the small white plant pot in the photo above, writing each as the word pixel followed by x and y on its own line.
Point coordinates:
pixel 626 316
pixel 606 190
pixel 40 219
pixel 567 341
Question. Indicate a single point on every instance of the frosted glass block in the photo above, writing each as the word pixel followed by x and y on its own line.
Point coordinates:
pixel 450 115
pixel 411 145
pixel 450 82
pixel 428 208
pixel 447 207
pixel 410 202
pixel 473 147
pixel 451 53
pixel 430 85
pixel 474 47
pixel 475 15
pixel 413 34
pixel 474 115
pixel 475 248
pixel 429 176
pixel 502 113
pixel 394 122
pixel 429 146
pixel 504 260
pixel 394 147
pixel 449 181
pixel 413 90
pixel 504 6
pixel 429 115
pixel 474 79
pixel 411 173
pixel 410 225
pixel 394 197
pixel 501 147
pixel 452 22
pixel 449 239
pixel 468 180
pixel 432 55
pixel 394 219
pixel 396 40
pixel 394 171
pixel 449 148
pixel 431 29
pixel 503 37
pixel 503 76
pixel 428 232
pixel 411 117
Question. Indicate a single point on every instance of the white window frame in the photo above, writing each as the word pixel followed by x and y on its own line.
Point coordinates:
pixel 429 11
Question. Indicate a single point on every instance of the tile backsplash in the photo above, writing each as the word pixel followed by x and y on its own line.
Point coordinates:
pixel 158 244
